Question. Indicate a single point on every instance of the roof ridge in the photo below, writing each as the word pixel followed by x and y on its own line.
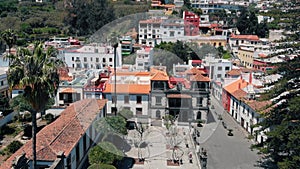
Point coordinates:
pixel 84 106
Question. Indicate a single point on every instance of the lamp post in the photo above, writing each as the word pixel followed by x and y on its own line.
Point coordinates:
pixel 115 46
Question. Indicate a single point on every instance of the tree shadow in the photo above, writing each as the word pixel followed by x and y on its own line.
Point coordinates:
pixel 125 163
pixel 266 163
pixel 118 141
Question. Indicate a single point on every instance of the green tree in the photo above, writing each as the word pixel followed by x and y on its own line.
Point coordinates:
pixel 36 71
pixel 104 153
pixel 111 125
pixel 101 166
pixel 10 38
pixel 84 16
pixel 282 148
pixel 242 23
pixel 14 146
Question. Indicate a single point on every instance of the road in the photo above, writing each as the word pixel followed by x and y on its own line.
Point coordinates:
pixel 227 152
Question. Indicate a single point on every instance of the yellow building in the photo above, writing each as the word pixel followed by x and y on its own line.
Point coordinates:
pixel 215 41
pixel 246 56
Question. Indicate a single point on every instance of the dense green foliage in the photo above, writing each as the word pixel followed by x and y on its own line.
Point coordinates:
pixel 282 147
pixel 39 21
pixel 101 166
pixel 247 24
pixel 14 146
pixel 104 153
pixel 111 125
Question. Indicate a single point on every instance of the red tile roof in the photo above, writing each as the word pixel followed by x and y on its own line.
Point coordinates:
pixel 128 88
pixel 68 90
pixel 239 94
pixel 194 71
pixel 234 72
pixel 247 37
pixel 199 78
pixel 159 75
pixel 259 106
pixel 62 134
pixel 236 85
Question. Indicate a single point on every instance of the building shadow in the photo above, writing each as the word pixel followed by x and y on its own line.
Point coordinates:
pixel 118 141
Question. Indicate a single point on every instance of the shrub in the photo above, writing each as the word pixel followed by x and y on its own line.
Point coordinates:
pixel 230 132
pixel 101 166
pixel 14 146
pixel 49 118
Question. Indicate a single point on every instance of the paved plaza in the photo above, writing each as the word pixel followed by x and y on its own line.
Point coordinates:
pixel 223 152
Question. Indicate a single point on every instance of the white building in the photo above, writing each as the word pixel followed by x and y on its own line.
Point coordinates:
pixel 92 56
pixel 150 32
pixel 67 139
pixel 172 29
pixel 132 92
pixel 217 68
pixel 3 82
pixel 144 59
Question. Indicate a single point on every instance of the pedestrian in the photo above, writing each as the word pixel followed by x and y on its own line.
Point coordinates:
pixel 191 157
pixel 198 148
pixel 186 142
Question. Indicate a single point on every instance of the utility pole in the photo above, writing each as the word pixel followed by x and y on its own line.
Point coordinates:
pixel 115 46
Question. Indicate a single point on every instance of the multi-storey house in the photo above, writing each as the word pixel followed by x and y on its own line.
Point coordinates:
pixel 68 138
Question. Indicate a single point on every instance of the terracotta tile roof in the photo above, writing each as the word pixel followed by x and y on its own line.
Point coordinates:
pixel 234 72
pixel 126 73
pixel 128 88
pixel 239 94
pixel 247 37
pixel 151 21
pixel 183 96
pixel 68 90
pixel 62 134
pixel 194 71
pixel 236 85
pixel 259 106
pixel 200 78
pixel 160 76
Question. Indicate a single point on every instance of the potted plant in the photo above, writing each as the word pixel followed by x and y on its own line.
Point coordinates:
pixel 199 123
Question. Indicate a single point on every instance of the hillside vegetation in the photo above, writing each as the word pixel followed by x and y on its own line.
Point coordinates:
pixel 39 21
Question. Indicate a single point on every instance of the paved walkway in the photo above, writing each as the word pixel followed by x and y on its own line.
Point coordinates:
pixel 158 152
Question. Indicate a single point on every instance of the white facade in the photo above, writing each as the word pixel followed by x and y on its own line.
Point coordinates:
pixel 3 82
pixel 144 59
pixel 91 57
pixel 179 69
pixel 217 67
pixel 172 29
pixel 149 32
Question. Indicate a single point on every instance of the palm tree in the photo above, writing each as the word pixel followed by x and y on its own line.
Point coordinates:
pixel 10 38
pixel 36 71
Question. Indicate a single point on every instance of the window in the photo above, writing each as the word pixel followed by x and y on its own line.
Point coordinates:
pixel 72 58
pixel 172 33
pixel 110 59
pixel 97 59
pixel 158 101
pixel 220 68
pixel 126 99
pixel 219 75
pixel 1 83
pixel 84 59
pixel 91 59
pixel 227 68
pixel 138 99
pixel 139 111
pixel 113 99
pixel 103 60
pixel 199 101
